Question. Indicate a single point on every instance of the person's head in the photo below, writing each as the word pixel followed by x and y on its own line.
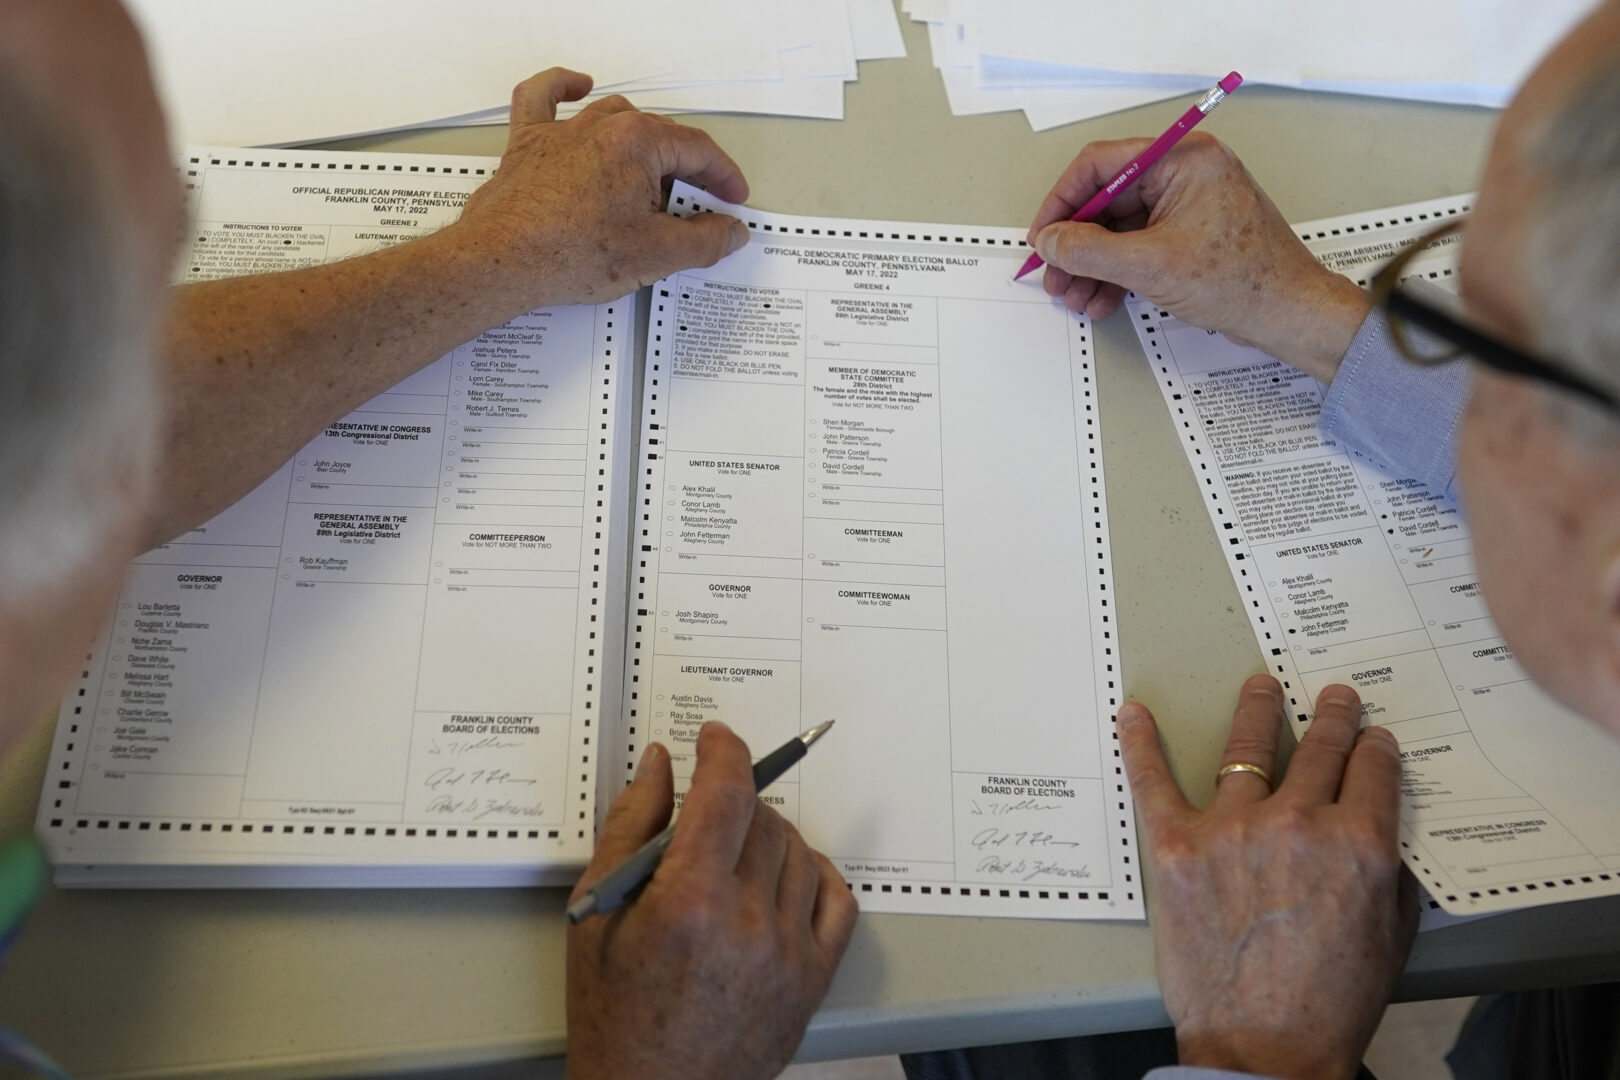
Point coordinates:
pixel 88 219
pixel 1539 470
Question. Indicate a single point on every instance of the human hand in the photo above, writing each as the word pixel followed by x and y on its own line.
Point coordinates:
pixel 1199 237
pixel 573 214
pixel 1280 920
pixel 715 969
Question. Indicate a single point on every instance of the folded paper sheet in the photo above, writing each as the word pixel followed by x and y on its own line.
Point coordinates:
pixel 400 661
pixel 1352 575
pixel 871 491
pixel 390 662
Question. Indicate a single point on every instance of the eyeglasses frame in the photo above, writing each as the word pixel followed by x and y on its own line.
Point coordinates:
pixel 1494 353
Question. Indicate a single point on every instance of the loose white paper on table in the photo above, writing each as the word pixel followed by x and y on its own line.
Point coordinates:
pixel 819 98
pixel 257 73
pixel 1053 107
pixel 1061 61
pixel 876 30
pixel 1049 97
pixel 1447 42
pixel 871 491
pixel 1351 575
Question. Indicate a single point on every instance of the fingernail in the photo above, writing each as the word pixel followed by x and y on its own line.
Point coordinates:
pixel 1263 684
pixel 649 758
pixel 1047 242
pixel 718 725
pixel 1339 694
pixel 739 236
pixel 1132 712
pixel 1044 244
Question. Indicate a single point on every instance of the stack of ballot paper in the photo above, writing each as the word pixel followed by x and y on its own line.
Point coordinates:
pixel 255 73
pixel 1060 61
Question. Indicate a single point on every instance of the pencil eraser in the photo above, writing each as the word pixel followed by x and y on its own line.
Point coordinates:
pixel 1231 82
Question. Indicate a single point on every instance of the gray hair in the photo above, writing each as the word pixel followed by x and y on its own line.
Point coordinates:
pixel 1573 255
pixel 77 401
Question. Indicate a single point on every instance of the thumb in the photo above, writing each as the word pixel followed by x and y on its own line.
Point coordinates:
pixel 534 100
pixel 700 240
pixel 1088 250
pixel 640 813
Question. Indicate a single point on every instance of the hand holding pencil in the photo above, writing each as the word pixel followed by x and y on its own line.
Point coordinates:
pixel 1145 160
pixel 1199 237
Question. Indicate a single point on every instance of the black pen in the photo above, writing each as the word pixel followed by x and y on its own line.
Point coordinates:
pixel 625 880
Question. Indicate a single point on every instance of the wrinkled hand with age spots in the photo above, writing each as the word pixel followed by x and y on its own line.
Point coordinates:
pixel 1280 920
pixel 714 970
pixel 1199 237
pixel 573 215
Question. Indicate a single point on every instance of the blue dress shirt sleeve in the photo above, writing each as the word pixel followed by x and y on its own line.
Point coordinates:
pixel 1403 416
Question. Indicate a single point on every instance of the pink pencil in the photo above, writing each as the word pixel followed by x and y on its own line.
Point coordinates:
pixel 1161 146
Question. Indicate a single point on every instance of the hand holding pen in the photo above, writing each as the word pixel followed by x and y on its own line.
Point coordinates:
pixel 621 884
pixel 725 954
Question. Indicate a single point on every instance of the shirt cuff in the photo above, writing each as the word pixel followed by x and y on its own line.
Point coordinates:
pixel 1401 415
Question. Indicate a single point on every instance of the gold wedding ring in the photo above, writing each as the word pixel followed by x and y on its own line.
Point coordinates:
pixel 1242 766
